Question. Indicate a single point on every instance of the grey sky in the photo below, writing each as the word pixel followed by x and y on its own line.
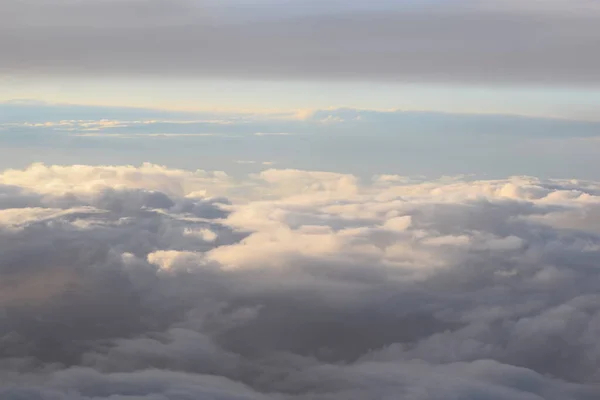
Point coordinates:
pixel 489 42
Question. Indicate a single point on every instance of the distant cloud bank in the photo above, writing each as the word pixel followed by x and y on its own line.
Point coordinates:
pixel 358 141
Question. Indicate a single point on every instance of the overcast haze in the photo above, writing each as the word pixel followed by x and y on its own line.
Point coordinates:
pixel 537 42
pixel 299 200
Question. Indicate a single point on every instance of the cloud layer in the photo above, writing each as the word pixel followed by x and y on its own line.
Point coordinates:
pixel 430 143
pixel 549 42
pixel 149 283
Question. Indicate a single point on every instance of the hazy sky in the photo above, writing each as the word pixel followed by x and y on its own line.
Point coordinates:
pixel 493 56
pixel 362 142
pixel 261 58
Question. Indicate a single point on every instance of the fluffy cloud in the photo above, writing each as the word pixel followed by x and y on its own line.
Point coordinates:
pixel 123 282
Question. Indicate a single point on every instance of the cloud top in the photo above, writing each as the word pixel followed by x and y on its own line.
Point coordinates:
pixel 153 283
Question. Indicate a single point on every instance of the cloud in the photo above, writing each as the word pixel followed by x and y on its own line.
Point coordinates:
pixel 152 283
pixel 87 384
pixel 144 136
pixel 90 179
pixel 474 42
pixel 272 134
pixel 387 141
pixel 109 122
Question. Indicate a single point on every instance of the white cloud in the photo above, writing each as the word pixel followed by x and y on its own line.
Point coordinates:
pixel 398 223
pixel 166 260
pixel 89 179
pixel 272 134
pixel 144 135
pixel 124 280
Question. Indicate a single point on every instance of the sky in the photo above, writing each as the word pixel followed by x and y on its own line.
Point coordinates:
pixel 299 199
pixel 209 60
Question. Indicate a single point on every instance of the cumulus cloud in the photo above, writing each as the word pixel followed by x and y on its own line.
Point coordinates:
pixel 495 41
pixel 144 282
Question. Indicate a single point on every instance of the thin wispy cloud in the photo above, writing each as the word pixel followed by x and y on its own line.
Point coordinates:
pixel 144 135
pixel 272 134
pixel 252 162
pixel 359 141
